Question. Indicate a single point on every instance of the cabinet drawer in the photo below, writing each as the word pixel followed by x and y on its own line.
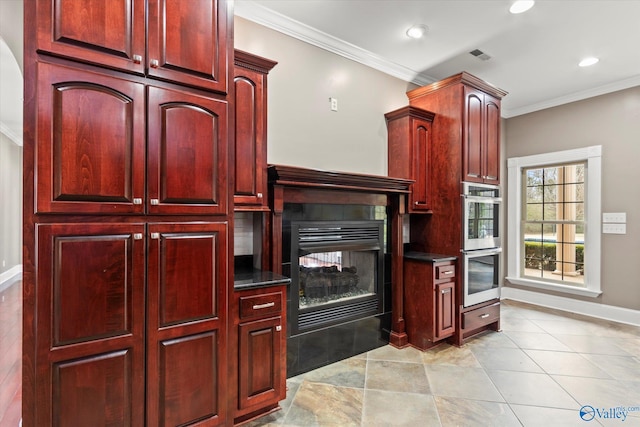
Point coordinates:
pixel 480 317
pixel 260 305
pixel 445 272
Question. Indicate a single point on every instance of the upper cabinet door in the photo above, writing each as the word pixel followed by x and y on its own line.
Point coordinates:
pixel 472 135
pixel 110 33
pixel 492 140
pixel 91 142
pixel 188 42
pixel 187 153
pixel 420 197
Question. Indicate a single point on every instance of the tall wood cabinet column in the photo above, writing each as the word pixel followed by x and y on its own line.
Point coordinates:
pixel 465 148
pixel 127 212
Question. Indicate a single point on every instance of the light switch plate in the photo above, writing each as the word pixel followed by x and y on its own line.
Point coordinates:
pixel 616 217
pixel 614 228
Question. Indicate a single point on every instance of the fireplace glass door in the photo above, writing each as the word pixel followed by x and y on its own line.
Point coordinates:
pixel 336 271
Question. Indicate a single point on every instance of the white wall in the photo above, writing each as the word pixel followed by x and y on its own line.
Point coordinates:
pixel 302 130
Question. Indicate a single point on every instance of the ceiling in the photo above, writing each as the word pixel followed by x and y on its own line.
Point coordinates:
pixel 534 55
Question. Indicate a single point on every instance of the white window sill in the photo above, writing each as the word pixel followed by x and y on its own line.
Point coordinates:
pixel 574 290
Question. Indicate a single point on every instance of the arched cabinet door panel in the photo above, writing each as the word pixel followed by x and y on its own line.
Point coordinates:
pixel 91 142
pixel 187 153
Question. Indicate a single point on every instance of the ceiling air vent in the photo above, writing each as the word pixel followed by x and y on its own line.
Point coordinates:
pixel 480 54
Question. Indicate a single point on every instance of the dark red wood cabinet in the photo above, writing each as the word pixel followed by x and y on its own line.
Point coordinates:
pixel 260 319
pixel 94 160
pixel 429 300
pixel 127 212
pixel 186 323
pixel 89 319
pixel 481 137
pixel 250 84
pixel 465 144
pixel 409 154
pixel 117 34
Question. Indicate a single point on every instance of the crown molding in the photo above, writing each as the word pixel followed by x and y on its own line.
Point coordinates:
pixel 573 97
pixel 6 130
pixel 268 18
pixel 259 14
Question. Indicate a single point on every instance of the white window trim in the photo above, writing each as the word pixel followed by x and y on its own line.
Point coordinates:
pixel 593 156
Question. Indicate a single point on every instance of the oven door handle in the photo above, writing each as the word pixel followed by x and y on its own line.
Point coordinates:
pixel 483 252
pixel 480 199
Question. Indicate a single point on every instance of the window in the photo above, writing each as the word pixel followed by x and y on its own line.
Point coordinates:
pixel 554 221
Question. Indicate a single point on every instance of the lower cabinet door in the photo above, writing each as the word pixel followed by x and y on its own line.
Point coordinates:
pixel 261 379
pixel 186 325
pixel 89 323
pixel 445 310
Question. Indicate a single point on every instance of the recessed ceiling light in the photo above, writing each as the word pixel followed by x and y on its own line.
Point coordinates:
pixel 417 31
pixel 520 6
pixel 588 61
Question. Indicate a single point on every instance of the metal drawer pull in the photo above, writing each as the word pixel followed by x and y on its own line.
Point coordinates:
pixel 265 305
pixel 446 291
pixel 447 272
pixel 278 328
pixel 484 316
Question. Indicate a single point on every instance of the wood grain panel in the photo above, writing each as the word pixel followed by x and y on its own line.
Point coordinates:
pixel 246 135
pixel 472 135
pixel 186 323
pixel 92 296
pixel 90 286
pixel 90 142
pixel 187 161
pixel 189 39
pixel 188 378
pixel 108 33
pixel 96 390
pixel 492 141
pixel 188 276
pixel 260 362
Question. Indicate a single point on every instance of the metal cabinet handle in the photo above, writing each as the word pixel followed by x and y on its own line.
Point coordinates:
pixel 278 328
pixel 265 305
pixel 446 291
pixel 137 236
pixel 154 63
pixel 484 316
pixel 137 201
pixel 155 202
pixel 259 195
pixel 447 272
pixel 137 59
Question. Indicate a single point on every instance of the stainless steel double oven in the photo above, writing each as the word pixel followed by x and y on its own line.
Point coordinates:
pixel 482 242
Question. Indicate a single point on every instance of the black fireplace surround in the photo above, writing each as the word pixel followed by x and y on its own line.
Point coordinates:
pixel 339 301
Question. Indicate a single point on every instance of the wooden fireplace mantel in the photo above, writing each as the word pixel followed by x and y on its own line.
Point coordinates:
pixel 302 177
pixel 290 184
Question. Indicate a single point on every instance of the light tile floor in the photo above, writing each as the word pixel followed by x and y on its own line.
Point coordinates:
pixel 540 370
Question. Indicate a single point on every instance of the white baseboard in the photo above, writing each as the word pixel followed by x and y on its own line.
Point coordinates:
pixel 10 276
pixel 601 311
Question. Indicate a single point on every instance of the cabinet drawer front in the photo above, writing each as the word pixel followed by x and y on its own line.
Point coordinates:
pixel 445 272
pixel 480 317
pixel 260 305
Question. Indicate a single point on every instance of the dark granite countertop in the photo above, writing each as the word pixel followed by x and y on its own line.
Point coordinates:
pixel 251 279
pixel 428 257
